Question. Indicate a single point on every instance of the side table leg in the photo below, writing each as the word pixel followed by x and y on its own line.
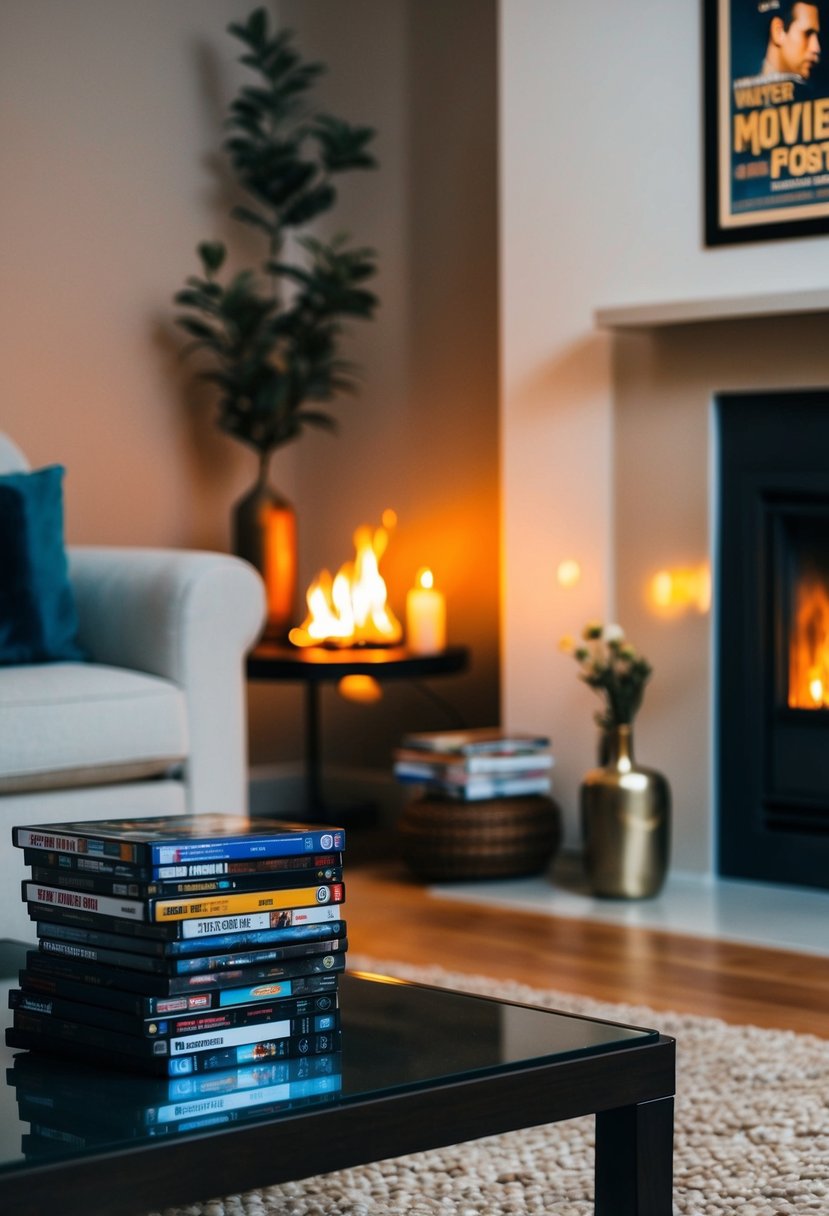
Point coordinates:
pixel 313 790
pixel 634 1160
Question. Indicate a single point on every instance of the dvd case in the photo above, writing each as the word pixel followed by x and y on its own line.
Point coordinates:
pixel 289 942
pixel 180 839
pixel 163 910
pixel 209 1060
pixel 316 977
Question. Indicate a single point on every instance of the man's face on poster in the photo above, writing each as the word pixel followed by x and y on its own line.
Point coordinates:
pixel 798 47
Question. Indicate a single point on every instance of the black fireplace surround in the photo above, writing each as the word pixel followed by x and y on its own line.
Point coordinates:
pixel 772 640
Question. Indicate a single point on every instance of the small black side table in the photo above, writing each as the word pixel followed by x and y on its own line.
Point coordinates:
pixel 319 664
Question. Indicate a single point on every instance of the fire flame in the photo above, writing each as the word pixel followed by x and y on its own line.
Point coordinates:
pixel 352 607
pixel 809 647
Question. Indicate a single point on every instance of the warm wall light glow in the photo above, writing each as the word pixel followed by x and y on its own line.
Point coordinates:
pixel 568 573
pixel 662 587
pixel 363 689
pixel 352 608
pixel 681 589
pixel 425 615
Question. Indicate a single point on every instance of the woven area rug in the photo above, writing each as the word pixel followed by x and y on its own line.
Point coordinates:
pixel 752 1134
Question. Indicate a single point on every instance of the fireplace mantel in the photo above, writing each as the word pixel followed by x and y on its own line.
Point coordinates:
pixel 628 317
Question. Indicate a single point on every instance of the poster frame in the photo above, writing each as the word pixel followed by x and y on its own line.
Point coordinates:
pixel 717 87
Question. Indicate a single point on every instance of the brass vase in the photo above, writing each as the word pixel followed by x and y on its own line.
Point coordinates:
pixel 626 820
pixel 265 534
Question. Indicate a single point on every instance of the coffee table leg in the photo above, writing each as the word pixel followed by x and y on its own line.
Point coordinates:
pixel 634 1160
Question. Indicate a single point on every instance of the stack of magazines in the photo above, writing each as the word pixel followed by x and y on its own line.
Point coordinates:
pixel 185 945
pixel 472 765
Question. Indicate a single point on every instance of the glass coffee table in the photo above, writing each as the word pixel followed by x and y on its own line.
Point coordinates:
pixel 418 1068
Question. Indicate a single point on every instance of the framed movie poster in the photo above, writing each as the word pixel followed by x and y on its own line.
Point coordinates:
pixel 766 120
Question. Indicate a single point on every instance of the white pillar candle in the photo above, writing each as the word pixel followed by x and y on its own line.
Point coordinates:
pixel 425 616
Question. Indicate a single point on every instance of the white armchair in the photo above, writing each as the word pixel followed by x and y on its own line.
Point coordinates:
pixel 154 723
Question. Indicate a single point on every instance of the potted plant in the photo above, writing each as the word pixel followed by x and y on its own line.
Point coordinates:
pixel 270 336
pixel 625 808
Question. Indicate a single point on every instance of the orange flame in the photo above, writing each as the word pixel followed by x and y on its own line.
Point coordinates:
pixel 809 647
pixel 352 608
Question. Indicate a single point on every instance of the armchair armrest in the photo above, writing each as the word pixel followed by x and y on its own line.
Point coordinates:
pixel 189 617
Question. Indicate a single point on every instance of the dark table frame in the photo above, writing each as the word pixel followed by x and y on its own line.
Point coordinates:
pixel 629 1089
pixel 319 665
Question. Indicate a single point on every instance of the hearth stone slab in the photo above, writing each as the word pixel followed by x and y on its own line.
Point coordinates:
pixel 758 914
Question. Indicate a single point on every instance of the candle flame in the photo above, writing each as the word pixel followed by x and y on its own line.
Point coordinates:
pixel 425 578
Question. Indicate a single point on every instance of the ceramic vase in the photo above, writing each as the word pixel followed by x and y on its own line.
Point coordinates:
pixel 265 534
pixel 626 814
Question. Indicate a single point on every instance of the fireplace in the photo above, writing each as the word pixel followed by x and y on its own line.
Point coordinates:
pixel 773 637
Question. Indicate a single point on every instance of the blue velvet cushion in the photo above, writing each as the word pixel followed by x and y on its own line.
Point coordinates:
pixel 38 622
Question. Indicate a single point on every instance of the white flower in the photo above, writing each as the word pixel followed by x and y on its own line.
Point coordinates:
pixel 613 633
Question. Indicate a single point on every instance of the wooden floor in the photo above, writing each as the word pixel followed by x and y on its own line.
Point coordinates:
pixel 391 916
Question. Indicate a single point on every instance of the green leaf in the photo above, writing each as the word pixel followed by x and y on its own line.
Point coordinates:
pixel 259 99
pixel 190 299
pixel 188 349
pixel 197 329
pixel 318 419
pixel 238 31
pixel 255 31
pixel 282 183
pixel 360 304
pixel 297 274
pixel 212 254
pixel 300 79
pixel 258 24
pixel 245 119
pixel 309 205
pixel 242 148
pixel 224 380
pixel 342 145
pixel 246 216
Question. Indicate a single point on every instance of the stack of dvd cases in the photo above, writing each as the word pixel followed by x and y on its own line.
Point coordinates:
pixel 182 945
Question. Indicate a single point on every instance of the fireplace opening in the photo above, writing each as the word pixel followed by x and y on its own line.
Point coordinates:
pixel 808 616
pixel 772 654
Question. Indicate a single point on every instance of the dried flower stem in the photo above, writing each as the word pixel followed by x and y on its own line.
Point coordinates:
pixel 614 669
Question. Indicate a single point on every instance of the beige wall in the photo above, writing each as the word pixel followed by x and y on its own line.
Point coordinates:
pixel 665 516
pixel 423 435
pixel 111 121
pixel 601 204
